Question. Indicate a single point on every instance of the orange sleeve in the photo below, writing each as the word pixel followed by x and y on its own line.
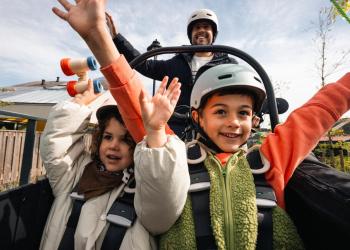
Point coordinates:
pixel 125 87
pixel 293 140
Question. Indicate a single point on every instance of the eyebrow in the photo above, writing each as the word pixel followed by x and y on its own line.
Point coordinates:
pixel 221 104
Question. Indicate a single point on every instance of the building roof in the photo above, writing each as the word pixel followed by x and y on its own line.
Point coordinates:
pixel 49 96
pixel 35 92
pixel 34 100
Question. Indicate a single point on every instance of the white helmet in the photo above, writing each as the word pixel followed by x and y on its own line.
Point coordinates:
pixel 226 76
pixel 203 14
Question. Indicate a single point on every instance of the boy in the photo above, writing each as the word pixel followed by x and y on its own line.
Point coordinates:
pixel 223 103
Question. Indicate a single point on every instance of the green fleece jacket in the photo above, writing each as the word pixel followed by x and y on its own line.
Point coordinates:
pixel 233 212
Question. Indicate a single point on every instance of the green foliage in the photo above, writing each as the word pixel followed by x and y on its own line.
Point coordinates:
pixel 3 104
pixel 324 152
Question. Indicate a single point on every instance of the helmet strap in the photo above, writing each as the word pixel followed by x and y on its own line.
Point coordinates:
pixel 204 138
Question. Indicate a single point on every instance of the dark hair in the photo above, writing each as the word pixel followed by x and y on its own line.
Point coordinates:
pixel 100 129
pixel 226 91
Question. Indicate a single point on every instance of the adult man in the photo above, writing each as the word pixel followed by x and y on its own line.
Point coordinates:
pixel 202 29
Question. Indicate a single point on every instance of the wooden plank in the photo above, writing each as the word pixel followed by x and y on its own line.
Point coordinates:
pixel 14 168
pixel 2 155
pixel 16 156
pixel 40 162
pixel 36 169
pixel 8 157
pixel 21 149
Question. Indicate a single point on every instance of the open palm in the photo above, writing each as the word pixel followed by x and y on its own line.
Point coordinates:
pixel 84 16
pixel 157 110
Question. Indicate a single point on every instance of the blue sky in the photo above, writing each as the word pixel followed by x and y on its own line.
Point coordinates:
pixel 278 33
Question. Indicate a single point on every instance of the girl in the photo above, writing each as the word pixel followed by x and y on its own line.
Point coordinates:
pixel 86 185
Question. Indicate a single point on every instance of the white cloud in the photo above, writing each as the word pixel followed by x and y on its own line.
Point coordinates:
pixel 275 32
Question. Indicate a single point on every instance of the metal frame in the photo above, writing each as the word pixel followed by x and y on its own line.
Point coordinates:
pixel 225 49
pixel 30 131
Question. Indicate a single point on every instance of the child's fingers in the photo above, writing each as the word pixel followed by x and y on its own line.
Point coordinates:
pixel 60 13
pixel 143 97
pixel 65 4
pixel 173 85
pixel 90 86
pixel 175 93
pixel 162 88
pixel 175 97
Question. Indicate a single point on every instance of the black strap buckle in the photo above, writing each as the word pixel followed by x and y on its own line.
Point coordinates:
pixel 121 214
pixel 199 182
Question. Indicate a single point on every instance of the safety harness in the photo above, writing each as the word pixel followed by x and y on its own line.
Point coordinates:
pixel 199 192
pixel 120 216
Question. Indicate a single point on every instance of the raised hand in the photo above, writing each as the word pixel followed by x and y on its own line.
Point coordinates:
pixel 157 110
pixel 111 26
pixel 85 17
pixel 87 96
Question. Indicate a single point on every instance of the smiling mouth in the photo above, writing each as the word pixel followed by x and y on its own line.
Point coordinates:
pixel 231 135
pixel 202 36
pixel 113 157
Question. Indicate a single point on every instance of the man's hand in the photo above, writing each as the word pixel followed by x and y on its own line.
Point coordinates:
pixel 111 26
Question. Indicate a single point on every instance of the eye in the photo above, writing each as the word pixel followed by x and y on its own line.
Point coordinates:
pixel 127 139
pixel 107 137
pixel 245 112
pixel 220 112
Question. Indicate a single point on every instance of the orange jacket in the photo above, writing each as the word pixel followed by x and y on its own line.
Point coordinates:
pixel 283 149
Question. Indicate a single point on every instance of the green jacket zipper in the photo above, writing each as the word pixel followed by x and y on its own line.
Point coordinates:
pixel 225 185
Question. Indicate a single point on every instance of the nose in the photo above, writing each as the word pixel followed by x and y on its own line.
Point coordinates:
pixel 115 143
pixel 233 121
pixel 201 28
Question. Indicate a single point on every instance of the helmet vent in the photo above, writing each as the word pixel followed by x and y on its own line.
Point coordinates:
pixel 208 14
pixel 224 76
pixel 257 79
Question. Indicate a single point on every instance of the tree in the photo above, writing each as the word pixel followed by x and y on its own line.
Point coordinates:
pixel 326 65
pixel 324 40
pixel 341 7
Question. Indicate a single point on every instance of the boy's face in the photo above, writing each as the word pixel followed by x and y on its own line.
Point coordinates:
pixel 227 120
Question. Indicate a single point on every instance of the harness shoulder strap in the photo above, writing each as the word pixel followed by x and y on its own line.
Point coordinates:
pixel 120 216
pixel 266 201
pixel 199 192
pixel 67 241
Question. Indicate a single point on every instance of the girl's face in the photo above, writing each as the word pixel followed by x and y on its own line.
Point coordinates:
pixel 114 151
pixel 227 120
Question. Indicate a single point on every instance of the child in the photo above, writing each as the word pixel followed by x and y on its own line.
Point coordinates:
pixel 223 120
pixel 92 181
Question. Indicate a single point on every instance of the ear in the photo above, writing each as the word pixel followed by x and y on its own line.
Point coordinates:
pixel 255 121
pixel 195 115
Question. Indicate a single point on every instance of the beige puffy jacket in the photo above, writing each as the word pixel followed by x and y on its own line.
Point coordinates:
pixel 162 183
pixel 64 157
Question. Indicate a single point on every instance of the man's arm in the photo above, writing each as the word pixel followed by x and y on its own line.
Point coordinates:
pixel 155 69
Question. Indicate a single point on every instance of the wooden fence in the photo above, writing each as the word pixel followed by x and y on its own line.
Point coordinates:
pixel 11 154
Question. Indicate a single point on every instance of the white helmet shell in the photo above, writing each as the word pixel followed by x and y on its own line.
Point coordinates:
pixel 225 76
pixel 206 15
